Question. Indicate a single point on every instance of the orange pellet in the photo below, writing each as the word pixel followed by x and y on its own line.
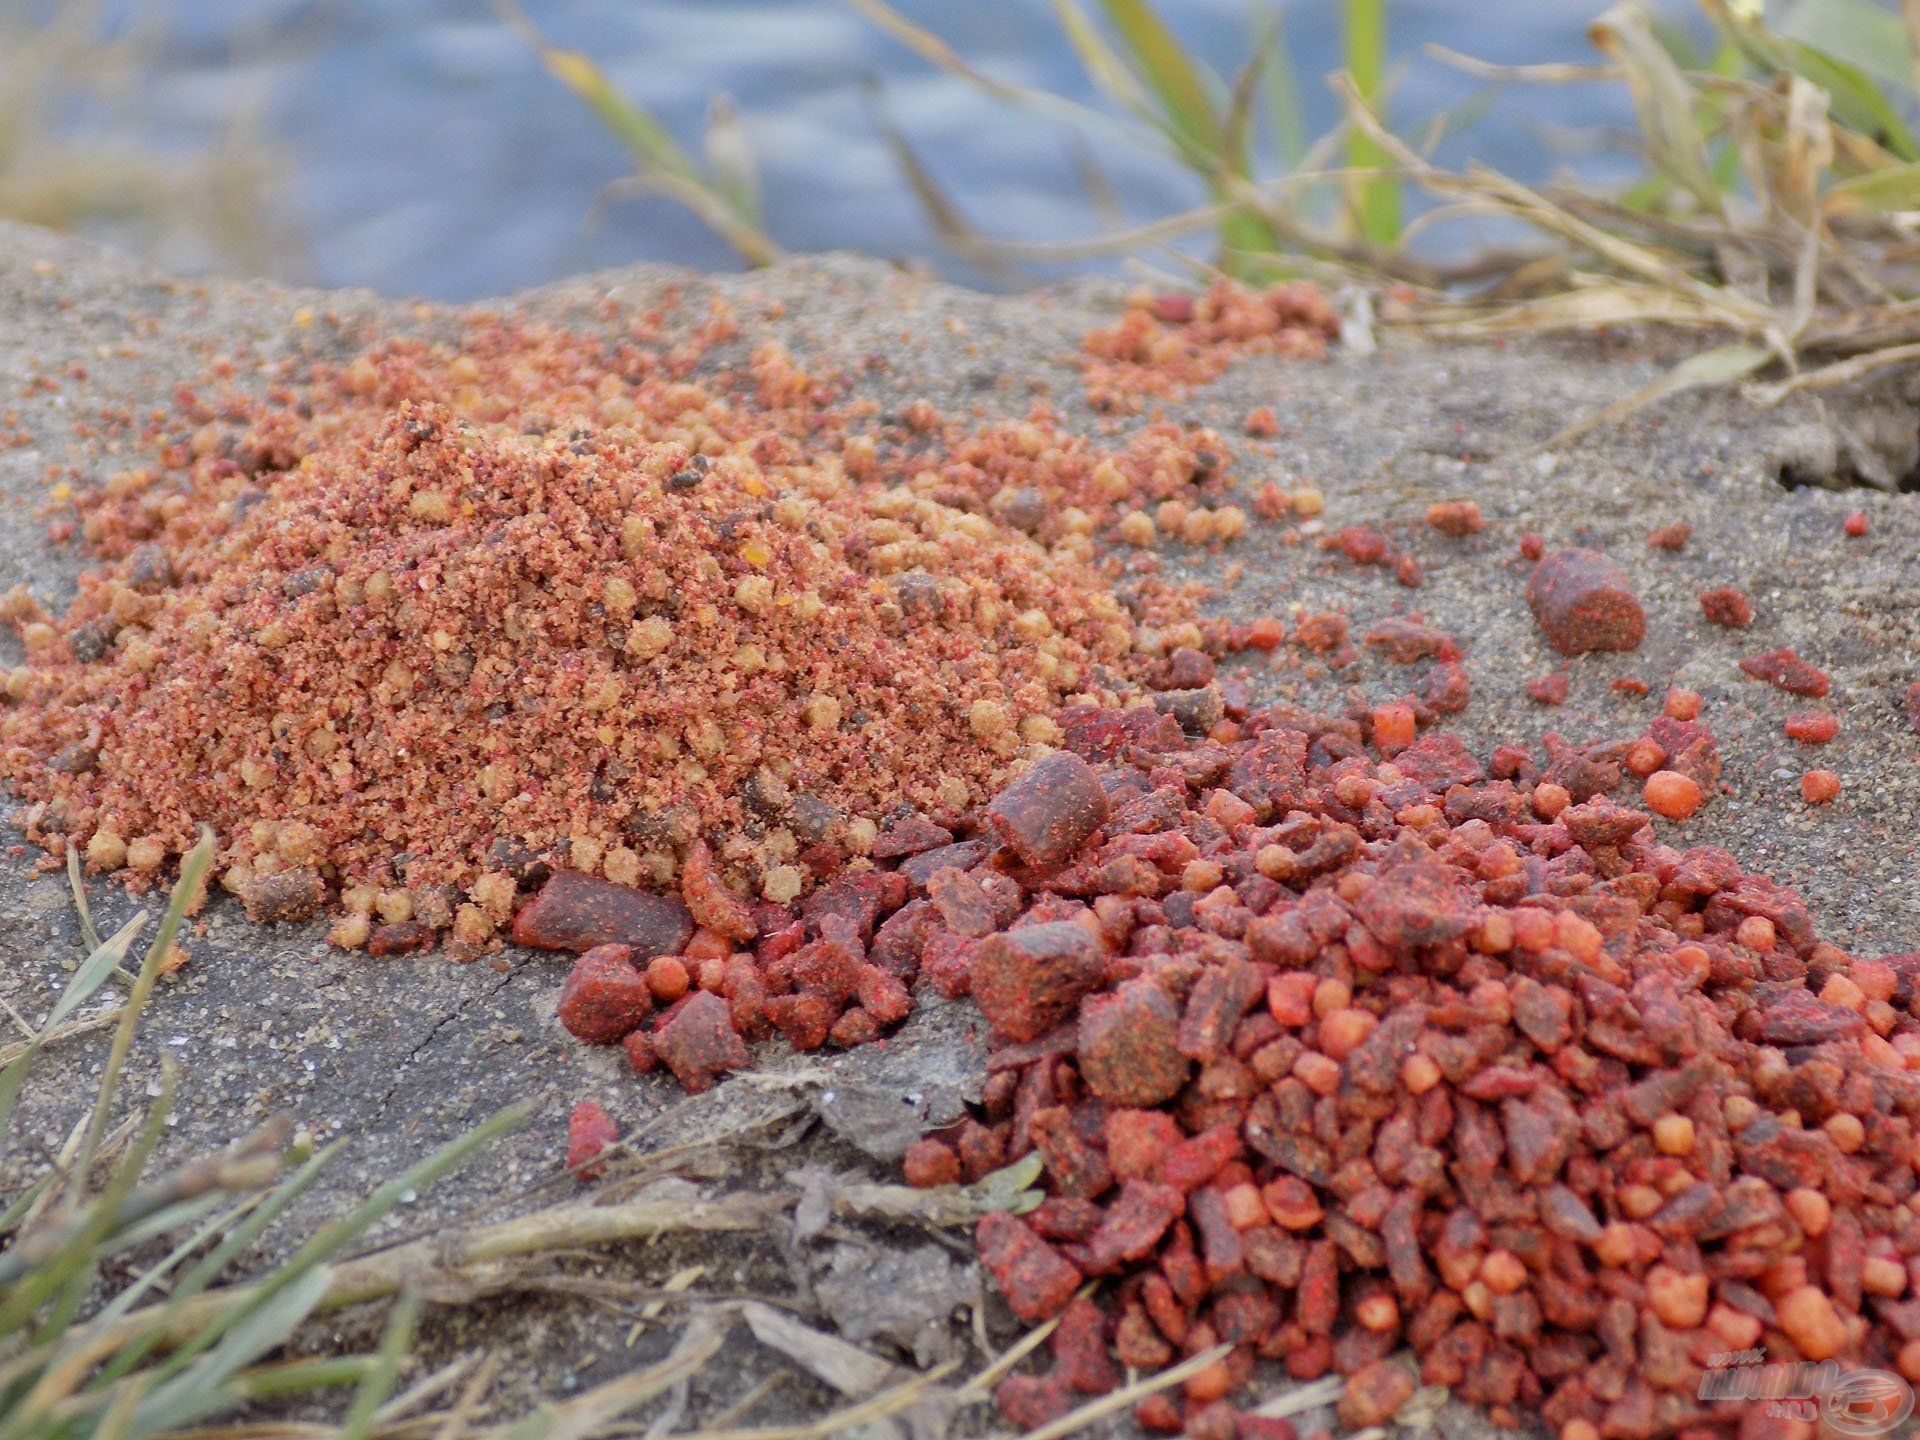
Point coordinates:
pixel 1393 728
pixel 1682 705
pixel 1645 756
pixel 1817 787
pixel 667 977
pixel 1672 794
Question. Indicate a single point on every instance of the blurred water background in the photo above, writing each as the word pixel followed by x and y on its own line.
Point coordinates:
pixel 419 148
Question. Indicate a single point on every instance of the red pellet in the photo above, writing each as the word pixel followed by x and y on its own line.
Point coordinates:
pixel 605 996
pixel 1727 606
pixel 1585 602
pixel 590 1130
pixel 1812 727
pixel 1855 524
pixel 1549 689
pixel 1681 705
pixel 579 912
pixel 928 1163
pixel 1784 668
pixel 667 977
pixel 1050 811
pixel 1393 728
pixel 1594 1068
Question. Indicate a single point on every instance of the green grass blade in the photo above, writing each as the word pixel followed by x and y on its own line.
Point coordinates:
pixel 196 1391
pixel 1376 197
pixel 726 204
pixel 1280 93
pixel 335 1237
pixel 647 141
pixel 1103 66
pixel 936 52
pixel 1856 101
pixel 23 1202
pixel 94 972
pixel 94 1243
pixel 943 214
pixel 1170 72
pixel 1663 101
pixel 88 935
pixel 1895 188
pixel 297 1377
pixel 131 1230
pixel 1237 127
pixel 1190 119
pixel 1871 39
pixel 66 1274
pixel 193 872
pixel 209 1267
pixel 378 1381
pixel 225 1223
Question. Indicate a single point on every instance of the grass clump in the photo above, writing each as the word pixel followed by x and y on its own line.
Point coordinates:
pixel 1772 209
pixel 113 1318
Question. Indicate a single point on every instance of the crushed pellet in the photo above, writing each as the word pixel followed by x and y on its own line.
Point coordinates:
pixel 440 620
pixel 1165 344
pixel 1330 1054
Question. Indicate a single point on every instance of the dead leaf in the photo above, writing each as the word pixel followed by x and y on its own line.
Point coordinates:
pixel 847 1368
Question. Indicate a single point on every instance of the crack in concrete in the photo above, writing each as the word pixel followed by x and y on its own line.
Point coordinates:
pixel 433 1033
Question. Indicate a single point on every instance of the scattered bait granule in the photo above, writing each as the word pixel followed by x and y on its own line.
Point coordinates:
pixel 1165 344
pixel 574 600
pixel 1672 795
pixel 1727 606
pixel 1817 787
pixel 1855 524
pixel 1457 518
pixel 1682 704
pixel 1812 727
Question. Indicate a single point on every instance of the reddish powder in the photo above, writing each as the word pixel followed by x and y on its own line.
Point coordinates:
pixel 404 628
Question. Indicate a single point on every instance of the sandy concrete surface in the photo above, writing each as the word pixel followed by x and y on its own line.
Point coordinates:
pixel 399 1055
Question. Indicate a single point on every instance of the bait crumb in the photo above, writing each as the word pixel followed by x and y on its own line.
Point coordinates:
pixel 1727 606
pixel 1549 689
